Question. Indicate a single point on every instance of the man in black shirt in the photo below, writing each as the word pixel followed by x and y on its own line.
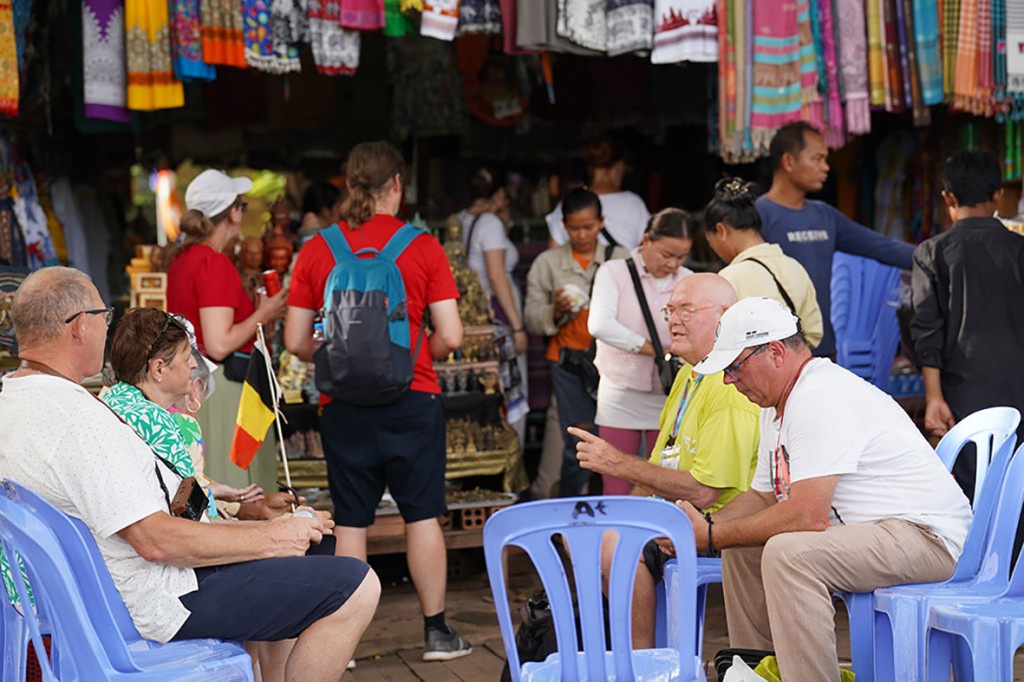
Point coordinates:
pixel 968 294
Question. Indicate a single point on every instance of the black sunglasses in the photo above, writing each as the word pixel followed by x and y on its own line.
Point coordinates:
pixel 168 320
pixel 107 312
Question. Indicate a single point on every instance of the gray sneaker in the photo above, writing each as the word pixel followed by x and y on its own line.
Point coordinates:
pixel 445 647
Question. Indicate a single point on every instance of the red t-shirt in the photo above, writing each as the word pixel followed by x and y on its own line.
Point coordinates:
pixel 201 277
pixel 424 268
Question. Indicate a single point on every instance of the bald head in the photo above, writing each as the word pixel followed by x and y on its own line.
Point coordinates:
pixel 697 303
pixel 45 299
pixel 708 288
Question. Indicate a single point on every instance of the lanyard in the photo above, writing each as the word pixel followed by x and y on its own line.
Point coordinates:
pixel 688 392
pixel 780 478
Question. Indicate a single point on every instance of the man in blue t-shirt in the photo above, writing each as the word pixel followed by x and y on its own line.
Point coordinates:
pixel 811 231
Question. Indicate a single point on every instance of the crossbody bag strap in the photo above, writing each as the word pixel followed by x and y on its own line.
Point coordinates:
pixel 608 237
pixel 659 352
pixel 782 290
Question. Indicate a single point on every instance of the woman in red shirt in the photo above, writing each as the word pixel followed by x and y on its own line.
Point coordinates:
pixel 400 445
pixel 204 286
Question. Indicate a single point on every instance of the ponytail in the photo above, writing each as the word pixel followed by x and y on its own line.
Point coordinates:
pixel 370 167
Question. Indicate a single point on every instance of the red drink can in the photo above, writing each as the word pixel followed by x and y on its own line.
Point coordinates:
pixel 271 282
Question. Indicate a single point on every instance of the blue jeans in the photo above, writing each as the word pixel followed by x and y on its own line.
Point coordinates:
pixel 575 408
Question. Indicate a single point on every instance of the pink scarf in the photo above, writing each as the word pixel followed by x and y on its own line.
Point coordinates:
pixel 362 15
pixel 853 57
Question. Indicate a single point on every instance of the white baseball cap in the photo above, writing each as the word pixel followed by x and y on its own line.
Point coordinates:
pixel 212 191
pixel 750 322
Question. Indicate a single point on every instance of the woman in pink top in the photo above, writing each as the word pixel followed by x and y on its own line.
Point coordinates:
pixel 630 396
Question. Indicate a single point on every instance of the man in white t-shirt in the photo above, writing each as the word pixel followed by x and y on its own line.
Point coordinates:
pixel 847 495
pixel 180 579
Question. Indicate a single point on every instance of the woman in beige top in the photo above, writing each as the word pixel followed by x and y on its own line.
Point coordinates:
pixel 755 267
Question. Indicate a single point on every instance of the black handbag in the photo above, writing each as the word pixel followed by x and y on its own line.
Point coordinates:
pixel 668 365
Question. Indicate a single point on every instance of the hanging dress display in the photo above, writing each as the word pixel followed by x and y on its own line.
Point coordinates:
pixel 103 60
pixel 584 22
pixel 335 49
pixel 222 32
pixel 777 57
pixel 480 17
pixel 685 30
pixel 151 81
pixel 187 43
pixel 289 24
pixel 259 41
pixel 440 19
pixel 630 26
pixel 362 15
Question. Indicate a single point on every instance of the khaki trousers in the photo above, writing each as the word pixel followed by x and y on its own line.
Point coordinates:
pixel 779 596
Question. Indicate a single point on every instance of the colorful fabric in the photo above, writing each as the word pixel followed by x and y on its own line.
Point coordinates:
pixel 902 51
pixel 362 15
pixel 151 81
pixel 853 60
pixel 1015 46
pixel 103 60
pixel 152 423
pixel 967 55
pixel 479 16
pixel 289 23
pixel 396 24
pixel 192 435
pixel 9 85
pixel 187 44
pixel 893 70
pixel 584 22
pixel 27 209
pixel 876 54
pixel 257 409
pixel 950 38
pixel 335 49
pixel 21 11
pixel 440 19
pixel 260 52
pixel 922 115
pixel 222 33
pixel 833 131
pixel 685 30
pixel 778 62
pixel 630 26
pixel 926 47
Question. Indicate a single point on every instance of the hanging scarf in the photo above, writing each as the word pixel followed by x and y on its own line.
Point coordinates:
pixel 362 15
pixel 222 33
pixel 21 11
pixel 630 25
pixel 999 54
pixel 808 66
pixel 440 19
pixel 921 113
pixel 479 17
pixel 1015 46
pixel 876 59
pixel 893 70
pixel 396 24
pixel 950 37
pixel 833 131
pixel 745 76
pixel 726 77
pixel 186 43
pixel 967 55
pixel 103 66
pixel 151 81
pixel 901 51
pixel 853 58
pixel 406 6
pixel 983 93
pixel 584 22
pixel 9 84
pixel 777 49
pixel 335 49
pixel 289 25
pixel 685 30
pixel 926 47
pixel 28 211
pixel 260 52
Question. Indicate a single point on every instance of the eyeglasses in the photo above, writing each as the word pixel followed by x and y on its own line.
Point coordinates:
pixel 733 370
pixel 684 313
pixel 108 314
pixel 168 319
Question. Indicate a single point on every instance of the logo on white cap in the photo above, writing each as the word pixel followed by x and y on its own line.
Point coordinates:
pixel 750 322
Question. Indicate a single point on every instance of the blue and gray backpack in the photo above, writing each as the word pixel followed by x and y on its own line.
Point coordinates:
pixel 365 358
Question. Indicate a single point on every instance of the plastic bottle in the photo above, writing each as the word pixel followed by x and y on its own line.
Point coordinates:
pixel 318 334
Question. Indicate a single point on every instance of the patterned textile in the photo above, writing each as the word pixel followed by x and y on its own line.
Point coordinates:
pixel 833 130
pixel 776 97
pixel 726 78
pixel 440 19
pixel 12 244
pixel 479 16
pixel 999 54
pixel 152 423
pixel 950 36
pixel 103 67
pixel 192 435
pixel 893 70
pixel 21 10
pixel 1014 46
pixel 151 81
pixel 9 84
pixel 686 30
pixel 876 54
pixel 922 115
pixel 926 47
pixel 362 15
pixel 630 26
pixel 808 63
pixel 335 49
pixel 428 98
pixel 186 43
pixel 396 24
pixel 289 20
pixel 222 32
pixel 27 210
pixel 902 51
pixel 405 6
pixel 967 55
pixel 260 52
pixel 985 50
pixel 853 60
pixel 584 22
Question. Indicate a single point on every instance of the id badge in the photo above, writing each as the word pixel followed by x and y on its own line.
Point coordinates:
pixel 670 457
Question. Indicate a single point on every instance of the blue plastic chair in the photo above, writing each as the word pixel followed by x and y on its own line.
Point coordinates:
pixel 86 643
pixel 982 573
pixel 709 571
pixel 987 429
pixel 864 316
pixel 582 523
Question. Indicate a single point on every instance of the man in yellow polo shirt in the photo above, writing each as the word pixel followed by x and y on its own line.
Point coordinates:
pixel 706 450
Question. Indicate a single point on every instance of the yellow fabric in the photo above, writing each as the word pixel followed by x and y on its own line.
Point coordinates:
pixel 768 668
pixel 718 437
pixel 9 85
pixel 750 279
pixel 151 81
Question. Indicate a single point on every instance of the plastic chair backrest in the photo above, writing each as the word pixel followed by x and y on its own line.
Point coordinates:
pixel 995 562
pixel 864 301
pixel 987 429
pixel 57 594
pixel 582 523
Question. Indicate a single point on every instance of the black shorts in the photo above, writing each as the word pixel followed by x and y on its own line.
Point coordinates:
pixel 401 446
pixel 270 599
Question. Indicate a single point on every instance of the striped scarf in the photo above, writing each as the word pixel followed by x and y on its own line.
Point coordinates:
pixel 950 37
pixel 967 55
pixel 222 33
pixel 926 46
pixel 777 52
pixel 983 93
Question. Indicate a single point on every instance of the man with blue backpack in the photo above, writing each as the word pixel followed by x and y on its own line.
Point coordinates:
pixel 386 300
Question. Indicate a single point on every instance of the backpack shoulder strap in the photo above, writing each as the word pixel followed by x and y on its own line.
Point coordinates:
pixel 785 296
pixel 337 243
pixel 400 241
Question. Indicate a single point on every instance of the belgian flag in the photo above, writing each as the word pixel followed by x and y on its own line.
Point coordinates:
pixel 256 409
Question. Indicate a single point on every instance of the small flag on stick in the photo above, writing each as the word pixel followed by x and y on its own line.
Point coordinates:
pixel 256 410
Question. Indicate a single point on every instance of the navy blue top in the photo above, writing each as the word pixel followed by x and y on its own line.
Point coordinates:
pixel 812 234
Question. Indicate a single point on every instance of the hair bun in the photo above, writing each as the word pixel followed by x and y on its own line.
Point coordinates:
pixel 734 189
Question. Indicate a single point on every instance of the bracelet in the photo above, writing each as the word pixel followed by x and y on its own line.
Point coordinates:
pixel 711 542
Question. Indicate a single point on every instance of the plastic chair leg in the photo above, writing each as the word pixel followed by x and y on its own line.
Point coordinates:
pixel 860 607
